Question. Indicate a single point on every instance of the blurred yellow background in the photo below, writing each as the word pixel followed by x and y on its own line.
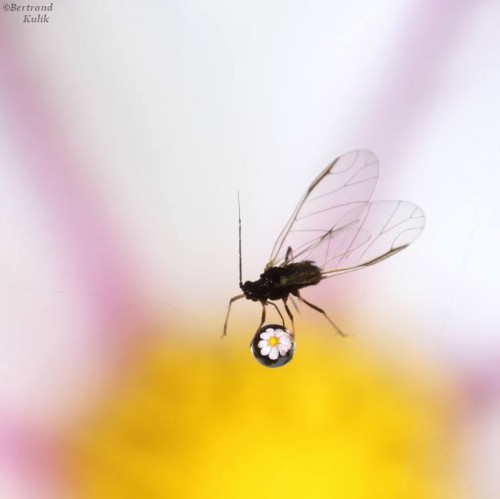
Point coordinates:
pixel 198 420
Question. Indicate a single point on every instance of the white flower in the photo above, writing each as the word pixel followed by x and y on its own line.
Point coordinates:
pixel 274 342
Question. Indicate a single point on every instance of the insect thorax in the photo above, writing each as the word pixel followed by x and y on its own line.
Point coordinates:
pixel 277 283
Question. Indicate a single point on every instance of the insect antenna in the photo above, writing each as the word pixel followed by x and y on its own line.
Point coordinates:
pixel 239 238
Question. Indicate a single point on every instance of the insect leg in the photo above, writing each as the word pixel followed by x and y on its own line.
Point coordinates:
pixel 278 310
pixel 234 298
pixel 289 315
pixel 321 311
pixel 294 303
pixel 263 317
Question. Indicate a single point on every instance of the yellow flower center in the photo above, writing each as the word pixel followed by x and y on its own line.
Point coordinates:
pixel 273 341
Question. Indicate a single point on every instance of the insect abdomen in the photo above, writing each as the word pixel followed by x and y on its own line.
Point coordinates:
pixel 299 275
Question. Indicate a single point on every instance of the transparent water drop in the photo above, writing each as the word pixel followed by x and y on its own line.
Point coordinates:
pixel 273 345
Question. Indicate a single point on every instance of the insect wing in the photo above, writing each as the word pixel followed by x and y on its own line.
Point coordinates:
pixel 332 247
pixel 332 205
pixel 386 227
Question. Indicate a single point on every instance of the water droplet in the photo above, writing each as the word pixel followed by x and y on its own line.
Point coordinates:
pixel 273 345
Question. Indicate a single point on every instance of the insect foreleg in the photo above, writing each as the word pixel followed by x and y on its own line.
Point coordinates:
pixel 321 311
pixel 278 310
pixel 234 298
pixel 263 317
pixel 289 315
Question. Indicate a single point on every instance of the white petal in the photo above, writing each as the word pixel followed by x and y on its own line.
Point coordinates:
pixel 265 336
pixel 279 333
pixel 286 341
pixel 262 343
pixel 266 350
pixel 274 353
pixel 270 330
pixel 283 349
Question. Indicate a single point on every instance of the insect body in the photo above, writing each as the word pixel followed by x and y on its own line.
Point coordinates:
pixel 277 283
pixel 335 229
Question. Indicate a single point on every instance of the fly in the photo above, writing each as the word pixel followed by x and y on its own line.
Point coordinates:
pixel 334 229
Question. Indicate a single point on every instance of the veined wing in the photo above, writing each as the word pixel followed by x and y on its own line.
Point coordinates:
pixel 385 228
pixel 332 205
